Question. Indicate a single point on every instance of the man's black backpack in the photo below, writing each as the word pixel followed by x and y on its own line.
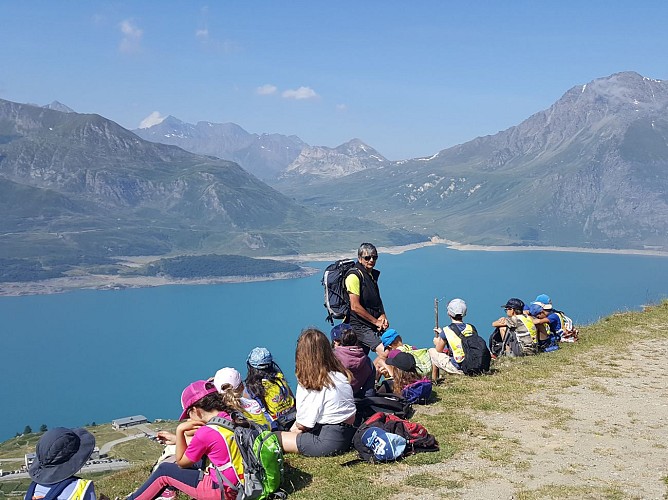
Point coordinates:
pixel 476 354
pixel 337 301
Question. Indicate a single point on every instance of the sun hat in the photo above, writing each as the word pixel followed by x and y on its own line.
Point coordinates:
pixel 514 304
pixel 456 307
pixel 535 308
pixel 193 393
pixel 388 337
pixel 402 360
pixel 260 357
pixel 338 331
pixel 60 453
pixel 543 299
pixel 227 376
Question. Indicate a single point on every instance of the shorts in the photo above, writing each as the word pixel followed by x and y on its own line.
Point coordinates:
pixel 325 440
pixel 368 337
pixel 444 362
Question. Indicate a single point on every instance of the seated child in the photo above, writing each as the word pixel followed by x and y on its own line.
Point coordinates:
pixel 229 379
pixel 406 381
pixel 351 354
pixel 266 384
pixel 200 402
pixel 519 326
pixel 61 453
pixel 448 353
pixel 392 340
pixel 547 336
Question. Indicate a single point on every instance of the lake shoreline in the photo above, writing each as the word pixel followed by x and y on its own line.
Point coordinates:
pixel 115 282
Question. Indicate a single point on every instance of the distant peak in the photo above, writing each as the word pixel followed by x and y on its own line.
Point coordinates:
pixel 153 119
pixel 58 106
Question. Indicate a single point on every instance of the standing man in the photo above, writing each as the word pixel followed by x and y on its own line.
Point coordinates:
pixel 367 314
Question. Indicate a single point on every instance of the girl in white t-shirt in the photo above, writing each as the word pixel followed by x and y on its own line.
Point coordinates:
pixel 325 404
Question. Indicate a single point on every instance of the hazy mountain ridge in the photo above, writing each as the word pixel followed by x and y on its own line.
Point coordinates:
pixel 589 171
pixel 273 158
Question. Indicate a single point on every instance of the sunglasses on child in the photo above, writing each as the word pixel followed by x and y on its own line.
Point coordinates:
pixel 369 257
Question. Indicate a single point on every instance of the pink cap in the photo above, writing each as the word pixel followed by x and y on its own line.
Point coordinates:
pixel 193 393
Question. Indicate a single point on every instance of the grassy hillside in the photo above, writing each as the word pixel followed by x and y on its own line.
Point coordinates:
pixel 461 420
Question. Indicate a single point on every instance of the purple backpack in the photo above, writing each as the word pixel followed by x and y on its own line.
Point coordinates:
pixel 418 392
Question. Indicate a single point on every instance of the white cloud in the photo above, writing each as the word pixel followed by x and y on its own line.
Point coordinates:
pixel 132 35
pixel 202 34
pixel 153 119
pixel 266 89
pixel 300 93
pixel 342 107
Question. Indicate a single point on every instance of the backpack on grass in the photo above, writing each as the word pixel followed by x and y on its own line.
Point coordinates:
pixel 375 439
pixel 262 458
pixel 477 357
pixel 337 301
pixel 418 392
pixel 385 403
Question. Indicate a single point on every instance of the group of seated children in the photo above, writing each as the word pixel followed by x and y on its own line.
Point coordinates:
pixel 527 330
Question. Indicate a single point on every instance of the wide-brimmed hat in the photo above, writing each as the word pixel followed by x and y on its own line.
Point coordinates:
pixel 60 453
pixel 260 357
pixel 193 393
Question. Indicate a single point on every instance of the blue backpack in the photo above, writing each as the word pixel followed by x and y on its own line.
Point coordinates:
pixel 418 392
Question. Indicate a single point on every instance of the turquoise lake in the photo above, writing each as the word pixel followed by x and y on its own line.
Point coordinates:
pixel 92 356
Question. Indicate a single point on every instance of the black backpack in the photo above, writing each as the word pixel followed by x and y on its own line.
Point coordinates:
pixel 476 354
pixel 333 280
pixel 386 403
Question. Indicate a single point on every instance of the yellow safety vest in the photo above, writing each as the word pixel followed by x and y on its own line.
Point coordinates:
pixel 455 342
pixel 530 326
pixel 81 487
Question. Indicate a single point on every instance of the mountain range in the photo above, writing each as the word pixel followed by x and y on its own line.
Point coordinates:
pixel 589 171
pixel 78 189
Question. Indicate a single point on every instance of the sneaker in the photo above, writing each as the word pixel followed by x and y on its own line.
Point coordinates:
pixel 168 494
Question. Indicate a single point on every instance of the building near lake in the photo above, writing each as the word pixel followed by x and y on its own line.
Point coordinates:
pixel 125 422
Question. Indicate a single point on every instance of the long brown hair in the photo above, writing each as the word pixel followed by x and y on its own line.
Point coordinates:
pixel 403 378
pixel 314 359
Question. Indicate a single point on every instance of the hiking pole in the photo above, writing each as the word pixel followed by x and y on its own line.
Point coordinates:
pixel 434 368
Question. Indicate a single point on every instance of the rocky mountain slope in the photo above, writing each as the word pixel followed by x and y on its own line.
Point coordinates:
pixel 80 188
pixel 274 158
pixel 589 171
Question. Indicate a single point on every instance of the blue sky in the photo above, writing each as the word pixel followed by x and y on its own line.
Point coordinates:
pixel 408 78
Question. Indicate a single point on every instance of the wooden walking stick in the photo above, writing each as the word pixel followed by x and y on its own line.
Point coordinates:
pixel 434 368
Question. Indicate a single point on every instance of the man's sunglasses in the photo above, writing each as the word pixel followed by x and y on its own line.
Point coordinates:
pixel 369 257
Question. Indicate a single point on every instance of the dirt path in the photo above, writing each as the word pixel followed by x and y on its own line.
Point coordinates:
pixel 607 438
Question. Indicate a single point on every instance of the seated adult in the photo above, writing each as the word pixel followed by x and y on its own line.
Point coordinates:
pixel 325 403
pixel 59 455
pixel 349 351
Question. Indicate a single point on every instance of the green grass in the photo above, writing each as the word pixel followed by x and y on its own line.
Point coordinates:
pixel 454 420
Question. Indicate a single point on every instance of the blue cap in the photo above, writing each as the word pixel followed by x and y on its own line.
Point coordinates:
pixel 260 357
pixel 388 337
pixel 535 308
pixel 338 330
pixel 385 446
pixel 543 299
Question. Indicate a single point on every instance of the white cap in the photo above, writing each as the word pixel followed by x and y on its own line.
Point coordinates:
pixel 227 376
pixel 456 307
